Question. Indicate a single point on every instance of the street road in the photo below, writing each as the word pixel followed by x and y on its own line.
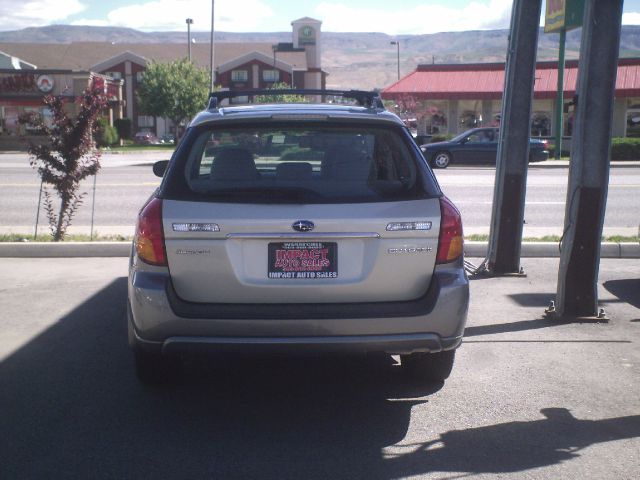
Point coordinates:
pixel 529 398
pixel 123 185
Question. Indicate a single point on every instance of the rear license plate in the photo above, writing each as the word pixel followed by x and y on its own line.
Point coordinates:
pixel 303 260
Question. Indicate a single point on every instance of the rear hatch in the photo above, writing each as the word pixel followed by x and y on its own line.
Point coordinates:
pixel 299 214
pixel 258 257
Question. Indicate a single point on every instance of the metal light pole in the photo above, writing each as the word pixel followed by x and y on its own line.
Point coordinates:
pixel 189 23
pixel 397 44
pixel 211 64
pixel 577 292
pixel 507 214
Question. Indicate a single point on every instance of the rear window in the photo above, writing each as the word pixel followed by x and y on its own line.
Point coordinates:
pixel 322 164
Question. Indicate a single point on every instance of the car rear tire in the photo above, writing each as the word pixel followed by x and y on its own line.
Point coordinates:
pixel 429 367
pixel 441 160
pixel 155 369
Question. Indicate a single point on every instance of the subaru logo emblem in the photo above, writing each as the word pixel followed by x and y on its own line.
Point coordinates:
pixel 303 226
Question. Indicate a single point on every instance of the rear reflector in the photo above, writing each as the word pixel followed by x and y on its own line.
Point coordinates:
pixel 450 242
pixel 149 239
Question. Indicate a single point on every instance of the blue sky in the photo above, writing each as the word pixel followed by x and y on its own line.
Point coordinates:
pixel 392 17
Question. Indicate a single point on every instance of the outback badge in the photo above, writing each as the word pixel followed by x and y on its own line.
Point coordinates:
pixel 303 226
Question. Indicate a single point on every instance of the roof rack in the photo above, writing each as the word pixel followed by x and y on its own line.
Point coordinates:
pixel 364 98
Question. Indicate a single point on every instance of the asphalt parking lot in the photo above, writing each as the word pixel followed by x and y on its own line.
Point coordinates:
pixel 529 397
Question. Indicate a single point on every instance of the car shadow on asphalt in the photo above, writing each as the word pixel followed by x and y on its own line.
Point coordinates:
pixel 518 326
pixel 626 290
pixel 71 407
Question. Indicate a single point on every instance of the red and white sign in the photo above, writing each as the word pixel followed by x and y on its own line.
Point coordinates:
pixel 44 83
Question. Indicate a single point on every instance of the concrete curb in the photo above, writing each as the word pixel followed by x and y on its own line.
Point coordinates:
pixel 565 164
pixel 551 250
pixel 123 249
pixel 65 249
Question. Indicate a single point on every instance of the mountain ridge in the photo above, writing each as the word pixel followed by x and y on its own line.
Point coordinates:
pixel 354 60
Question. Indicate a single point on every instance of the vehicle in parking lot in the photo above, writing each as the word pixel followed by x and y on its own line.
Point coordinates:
pixel 297 228
pixel 146 138
pixel 168 138
pixel 478 145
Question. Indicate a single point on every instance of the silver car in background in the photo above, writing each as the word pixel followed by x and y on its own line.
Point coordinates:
pixel 297 228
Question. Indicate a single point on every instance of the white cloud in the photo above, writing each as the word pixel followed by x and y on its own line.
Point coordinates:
pixel 477 15
pixel 35 13
pixel 631 18
pixel 91 23
pixel 230 15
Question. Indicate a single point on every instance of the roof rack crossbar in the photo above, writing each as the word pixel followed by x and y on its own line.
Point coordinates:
pixel 363 98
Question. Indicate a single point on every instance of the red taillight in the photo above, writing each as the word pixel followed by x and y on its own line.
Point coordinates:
pixel 450 242
pixel 149 238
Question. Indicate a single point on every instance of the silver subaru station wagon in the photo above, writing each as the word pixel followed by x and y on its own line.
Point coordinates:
pixel 297 228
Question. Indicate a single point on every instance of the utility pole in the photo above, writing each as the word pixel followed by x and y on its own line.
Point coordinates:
pixel 189 23
pixel 577 294
pixel 397 44
pixel 211 62
pixel 507 216
pixel 560 94
pixel 561 17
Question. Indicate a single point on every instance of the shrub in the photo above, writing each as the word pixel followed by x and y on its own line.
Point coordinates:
pixel 625 149
pixel 123 126
pixel 106 134
pixel 68 157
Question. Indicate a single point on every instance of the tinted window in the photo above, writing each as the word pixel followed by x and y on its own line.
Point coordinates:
pixel 302 165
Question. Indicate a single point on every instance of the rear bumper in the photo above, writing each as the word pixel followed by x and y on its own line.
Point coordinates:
pixel 160 321
pixel 391 344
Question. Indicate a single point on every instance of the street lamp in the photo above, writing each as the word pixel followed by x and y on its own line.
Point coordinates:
pixel 211 64
pixel 397 44
pixel 189 23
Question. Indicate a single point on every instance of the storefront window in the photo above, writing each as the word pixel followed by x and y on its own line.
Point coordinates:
pixel 436 117
pixel 633 122
pixel 540 124
pixel 31 110
pixel 10 120
pixel 470 119
pixel 470 114
pixel 47 116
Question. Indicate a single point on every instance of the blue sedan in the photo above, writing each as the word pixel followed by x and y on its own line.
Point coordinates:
pixel 478 145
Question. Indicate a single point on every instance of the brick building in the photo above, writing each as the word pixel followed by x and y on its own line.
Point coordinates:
pixel 238 66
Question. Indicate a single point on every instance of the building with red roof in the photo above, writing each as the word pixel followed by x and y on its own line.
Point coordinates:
pixel 452 98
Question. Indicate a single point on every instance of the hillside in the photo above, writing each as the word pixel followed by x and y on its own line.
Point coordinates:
pixel 353 60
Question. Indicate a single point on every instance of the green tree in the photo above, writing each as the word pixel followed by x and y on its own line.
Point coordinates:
pixel 69 156
pixel 280 98
pixel 176 90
